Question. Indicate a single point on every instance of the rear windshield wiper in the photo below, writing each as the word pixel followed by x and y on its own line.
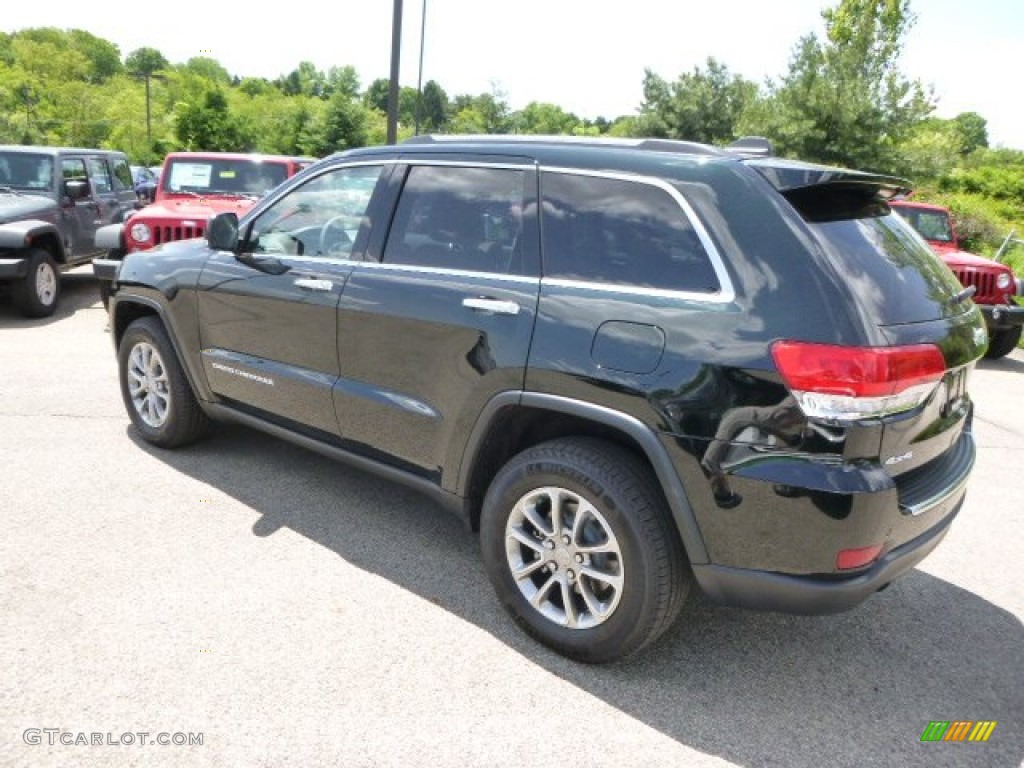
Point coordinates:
pixel 961 296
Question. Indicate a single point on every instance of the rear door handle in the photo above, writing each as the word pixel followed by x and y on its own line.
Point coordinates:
pixel 314 284
pixel 495 306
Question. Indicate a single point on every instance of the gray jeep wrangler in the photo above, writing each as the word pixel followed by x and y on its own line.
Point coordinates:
pixel 52 200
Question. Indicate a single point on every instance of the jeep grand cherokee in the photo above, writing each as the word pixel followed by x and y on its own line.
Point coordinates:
pixel 630 365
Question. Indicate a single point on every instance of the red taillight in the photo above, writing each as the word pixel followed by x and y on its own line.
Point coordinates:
pixel 858 382
pixel 856 558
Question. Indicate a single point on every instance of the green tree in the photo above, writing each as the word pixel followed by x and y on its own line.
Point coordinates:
pixel 972 130
pixel 844 100
pixel 433 107
pixel 545 119
pixel 210 126
pixel 145 61
pixel 703 105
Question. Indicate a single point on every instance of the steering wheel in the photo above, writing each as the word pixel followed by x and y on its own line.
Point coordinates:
pixel 334 239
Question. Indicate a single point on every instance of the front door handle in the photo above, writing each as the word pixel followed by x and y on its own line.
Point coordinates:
pixel 314 284
pixel 495 306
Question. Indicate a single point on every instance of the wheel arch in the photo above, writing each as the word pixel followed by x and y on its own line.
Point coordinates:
pixel 130 307
pixel 32 233
pixel 514 421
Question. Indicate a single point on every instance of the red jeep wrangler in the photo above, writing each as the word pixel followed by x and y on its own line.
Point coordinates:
pixel 994 283
pixel 194 187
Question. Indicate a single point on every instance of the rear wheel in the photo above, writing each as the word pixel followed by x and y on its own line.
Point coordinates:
pixel 1002 343
pixel 156 392
pixel 580 547
pixel 36 295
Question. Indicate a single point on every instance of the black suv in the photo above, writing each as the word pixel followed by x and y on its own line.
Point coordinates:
pixel 52 200
pixel 628 364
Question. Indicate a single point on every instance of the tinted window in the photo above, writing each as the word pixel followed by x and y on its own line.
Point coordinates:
pixel 323 217
pixel 605 230
pixel 894 274
pixel 459 218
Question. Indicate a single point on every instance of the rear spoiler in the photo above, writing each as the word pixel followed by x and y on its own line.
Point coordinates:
pixel 791 175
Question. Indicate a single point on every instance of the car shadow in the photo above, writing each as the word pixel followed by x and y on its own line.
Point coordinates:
pixel 1012 362
pixel 753 688
pixel 79 290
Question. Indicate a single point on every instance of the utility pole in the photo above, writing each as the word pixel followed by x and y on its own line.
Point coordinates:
pixel 419 78
pixel 396 49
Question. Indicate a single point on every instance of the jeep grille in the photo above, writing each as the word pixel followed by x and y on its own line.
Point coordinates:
pixel 985 282
pixel 169 234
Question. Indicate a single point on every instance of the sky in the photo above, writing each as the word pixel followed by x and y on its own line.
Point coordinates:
pixel 586 56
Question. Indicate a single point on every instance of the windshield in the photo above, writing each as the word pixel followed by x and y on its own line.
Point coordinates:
pixel 225 176
pixel 20 170
pixel 931 225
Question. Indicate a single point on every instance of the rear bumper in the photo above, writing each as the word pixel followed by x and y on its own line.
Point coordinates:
pixel 1002 315
pixel 13 269
pixel 922 505
pixel 816 595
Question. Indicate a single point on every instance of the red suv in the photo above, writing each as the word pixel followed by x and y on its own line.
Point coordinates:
pixel 993 282
pixel 194 187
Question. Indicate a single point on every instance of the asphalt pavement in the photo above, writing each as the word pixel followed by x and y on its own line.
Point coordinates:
pixel 286 610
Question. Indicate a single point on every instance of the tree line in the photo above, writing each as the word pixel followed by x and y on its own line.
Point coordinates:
pixel 842 101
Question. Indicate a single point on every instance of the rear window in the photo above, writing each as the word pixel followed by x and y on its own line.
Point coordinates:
pixel 897 278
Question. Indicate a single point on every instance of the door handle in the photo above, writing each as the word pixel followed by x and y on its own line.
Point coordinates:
pixel 314 284
pixel 495 306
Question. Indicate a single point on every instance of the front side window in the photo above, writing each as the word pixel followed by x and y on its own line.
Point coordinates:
pixel 459 218
pixel 73 170
pixel 322 218
pixel 608 230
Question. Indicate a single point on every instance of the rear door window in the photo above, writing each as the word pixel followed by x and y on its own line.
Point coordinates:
pixel 467 219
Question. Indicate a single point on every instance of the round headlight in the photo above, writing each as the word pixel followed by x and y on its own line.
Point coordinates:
pixel 1004 281
pixel 140 233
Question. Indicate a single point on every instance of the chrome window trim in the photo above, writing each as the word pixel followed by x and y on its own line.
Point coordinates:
pixel 442 271
pixel 726 292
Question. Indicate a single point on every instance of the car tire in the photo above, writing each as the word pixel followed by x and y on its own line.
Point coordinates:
pixel 1001 343
pixel 37 294
pixel 156 393
pixel 581 549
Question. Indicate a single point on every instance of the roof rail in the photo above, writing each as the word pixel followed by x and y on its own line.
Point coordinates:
pixel 653 145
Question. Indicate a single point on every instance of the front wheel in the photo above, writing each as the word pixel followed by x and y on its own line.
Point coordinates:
pixel 1001 343
pixel 37 293
pixel 156 392
pixel 580 547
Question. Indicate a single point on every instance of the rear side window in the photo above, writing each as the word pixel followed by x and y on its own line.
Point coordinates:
pixel 122 174
pixel 621 232
pixel 100 175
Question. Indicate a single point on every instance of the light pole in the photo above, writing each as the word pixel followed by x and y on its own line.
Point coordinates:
pixel 396 49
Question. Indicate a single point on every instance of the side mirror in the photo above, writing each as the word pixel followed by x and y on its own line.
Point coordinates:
pixel 222 232
pixel 76 189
